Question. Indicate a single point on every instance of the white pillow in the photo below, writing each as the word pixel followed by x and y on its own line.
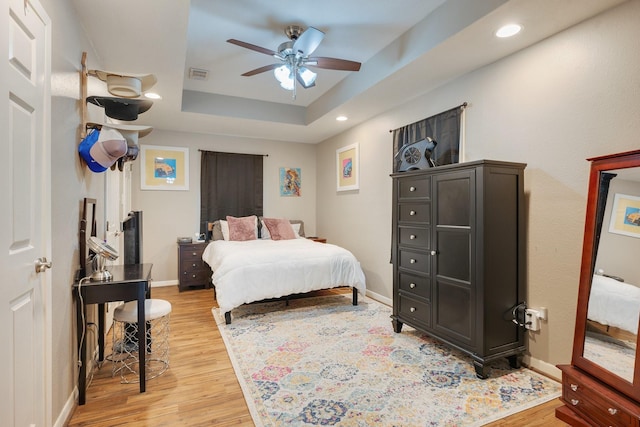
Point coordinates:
pixel 224 226
pixel 265 231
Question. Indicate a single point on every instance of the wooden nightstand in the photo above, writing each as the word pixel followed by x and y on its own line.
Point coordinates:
pixel 317 239
pixel 192 270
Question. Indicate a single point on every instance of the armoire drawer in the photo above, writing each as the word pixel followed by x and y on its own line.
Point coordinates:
pixel 414 212
pixel 415 187
pixel 416 261
pixel 415 285
pixel 413 309
pixel 415 236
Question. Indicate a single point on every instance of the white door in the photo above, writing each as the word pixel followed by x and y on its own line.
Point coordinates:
pixel 25 214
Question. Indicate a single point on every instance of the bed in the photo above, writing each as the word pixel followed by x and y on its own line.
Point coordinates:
pixel 614 303
pixel 258 269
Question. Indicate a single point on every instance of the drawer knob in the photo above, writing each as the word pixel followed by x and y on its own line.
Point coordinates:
pixel 412 309
pixel 193 275
pixel 193 265
pixel 575 402
pixel 412 261
pixel 412 285
pixel 412 213
pixel 574 387
pixel 434 253
pixel 412 188
pixel 612 411
pixel 195 253
pixel 412 237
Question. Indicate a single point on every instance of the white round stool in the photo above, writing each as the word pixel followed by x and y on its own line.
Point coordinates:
pixel 125 340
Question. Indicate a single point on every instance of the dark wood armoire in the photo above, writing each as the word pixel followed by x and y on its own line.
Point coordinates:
pixel 458 253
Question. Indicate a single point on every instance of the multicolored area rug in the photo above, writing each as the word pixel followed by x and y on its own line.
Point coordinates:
pixel 323 361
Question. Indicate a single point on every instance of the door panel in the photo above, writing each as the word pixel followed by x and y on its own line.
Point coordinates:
pixel 25 217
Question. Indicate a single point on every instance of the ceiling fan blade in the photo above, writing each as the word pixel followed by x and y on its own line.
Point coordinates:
pixel 252 47
pixel 308 41
pixel 261 70
pixel 333 63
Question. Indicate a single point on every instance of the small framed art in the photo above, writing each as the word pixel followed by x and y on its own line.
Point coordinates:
pixel 290 182
pixel 348 168
pixel 164 168
pixel 625 215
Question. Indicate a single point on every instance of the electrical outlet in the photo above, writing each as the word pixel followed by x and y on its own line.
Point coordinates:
pixel 531 319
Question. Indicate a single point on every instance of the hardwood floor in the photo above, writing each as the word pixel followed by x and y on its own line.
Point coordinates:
pixel 200 387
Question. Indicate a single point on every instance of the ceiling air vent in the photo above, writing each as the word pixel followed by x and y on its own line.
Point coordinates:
pixel 198 74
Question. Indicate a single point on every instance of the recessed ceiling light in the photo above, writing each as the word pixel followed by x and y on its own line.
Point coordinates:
pixel 341 118
pixel 152 95
pixel 508 30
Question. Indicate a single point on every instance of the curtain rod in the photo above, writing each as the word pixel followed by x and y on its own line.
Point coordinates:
pixel 227 152
pixel 463 106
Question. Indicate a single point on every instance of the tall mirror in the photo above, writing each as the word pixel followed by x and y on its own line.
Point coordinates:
pixel 606 337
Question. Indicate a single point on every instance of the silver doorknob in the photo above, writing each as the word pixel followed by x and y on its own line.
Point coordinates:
pixel 434 252
pixel 42 264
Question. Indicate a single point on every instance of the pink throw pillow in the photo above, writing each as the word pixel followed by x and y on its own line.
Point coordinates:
pixel 280 229
pixel 242 228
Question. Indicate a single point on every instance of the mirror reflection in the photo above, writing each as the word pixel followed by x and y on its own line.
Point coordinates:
pixel 614 301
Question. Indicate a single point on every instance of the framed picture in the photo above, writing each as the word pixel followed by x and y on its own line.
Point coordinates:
pixel 348 168
pixel 290 182
pixel 625 215
pixel 164 168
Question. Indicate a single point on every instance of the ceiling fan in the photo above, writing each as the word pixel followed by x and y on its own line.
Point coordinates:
pixel 294 57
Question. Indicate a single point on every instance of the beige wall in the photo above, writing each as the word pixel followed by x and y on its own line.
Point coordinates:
pixel 169 214
pixel 71 181
pixel 567 98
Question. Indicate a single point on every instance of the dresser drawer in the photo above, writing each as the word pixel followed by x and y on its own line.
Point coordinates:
pixel 415 236
pixel 414 212
pixel 415 285
pixel 588 401
pixel 415 310
pixel 414 187
pixel 416 261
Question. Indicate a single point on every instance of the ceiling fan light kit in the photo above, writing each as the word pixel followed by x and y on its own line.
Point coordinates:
pixel 294 55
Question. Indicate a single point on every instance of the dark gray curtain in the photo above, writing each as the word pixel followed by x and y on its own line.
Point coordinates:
pixel 230 184
pixel 444 128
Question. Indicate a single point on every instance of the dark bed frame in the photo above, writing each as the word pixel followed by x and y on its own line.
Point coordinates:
pixel 227 315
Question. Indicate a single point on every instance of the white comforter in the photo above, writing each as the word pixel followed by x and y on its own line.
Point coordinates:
pixel 254 270
pixel 614 303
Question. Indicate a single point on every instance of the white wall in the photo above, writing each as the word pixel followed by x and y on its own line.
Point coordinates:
pixel 71 181
pixel 567 98
pixel 170 214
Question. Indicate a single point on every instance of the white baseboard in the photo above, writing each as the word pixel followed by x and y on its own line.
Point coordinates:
pixel 380 298
pixel 543 367
pixel 67 409
pixel 159 284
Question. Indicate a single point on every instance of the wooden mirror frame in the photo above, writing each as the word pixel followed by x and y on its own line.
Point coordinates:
pixel 599 165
